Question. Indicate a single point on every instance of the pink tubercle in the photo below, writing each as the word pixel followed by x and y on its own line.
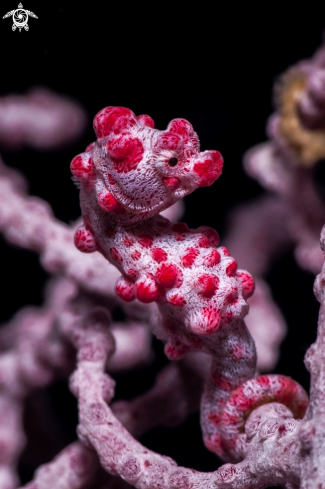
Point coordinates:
pixel 211 234
pixel 188 258
pixel 82 168
pixel 145 241
pixel 212 259
pixel 176 299
pixel 173 183
pixel 113 119
pixel 222 382
pixel 166 275
pixel 125 152
pixel 224 251
pixel 209 169
pixel 180 227
pixel 206 284
pixel 248 283
pixel 204 242
pixel 146 120
pixel 124 288
pixel 89 147
pixel 107 201
pixel 135 255
pixel 127 241
pixel 158 254
pixel 170 141
pixel 238 352
pixel 146 289
pixel 231 268
pixel 84 240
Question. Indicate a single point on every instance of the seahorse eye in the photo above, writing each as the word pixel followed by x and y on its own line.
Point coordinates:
pixel 173 161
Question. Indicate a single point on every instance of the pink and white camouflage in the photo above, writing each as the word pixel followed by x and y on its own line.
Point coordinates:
pixel 125 181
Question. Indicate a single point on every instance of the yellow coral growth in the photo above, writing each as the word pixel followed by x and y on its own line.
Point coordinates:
pixel 307 145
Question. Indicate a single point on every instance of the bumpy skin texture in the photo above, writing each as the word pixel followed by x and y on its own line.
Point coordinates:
pixel 130 174
pixel 194 282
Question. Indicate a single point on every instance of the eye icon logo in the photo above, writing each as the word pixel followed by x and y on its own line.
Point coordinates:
pixel 20 18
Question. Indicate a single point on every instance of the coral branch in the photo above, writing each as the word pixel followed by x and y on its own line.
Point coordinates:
pixel 175 395
pixel 28 222
pixel 272 450
pixel 256 239
pixel 40 119
pixel 73 468
pixel 313 429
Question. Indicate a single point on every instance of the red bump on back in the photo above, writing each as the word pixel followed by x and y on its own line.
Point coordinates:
pixel 146 289
pixel 113 119
pixel 189 257
pixel 158 254
pixel 210 233
pixel 206 284
pixel 176 299
pixel 231 268
pixel 124 288
pixel 166 274
pixel 212 259
pixel 247 283
pixel 125 152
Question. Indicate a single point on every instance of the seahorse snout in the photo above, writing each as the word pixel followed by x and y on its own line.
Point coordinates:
pixel 208 167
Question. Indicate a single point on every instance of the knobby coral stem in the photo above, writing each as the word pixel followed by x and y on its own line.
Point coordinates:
pixel 312 430
pixel 272 450
pixel 73 468
pixel 28 222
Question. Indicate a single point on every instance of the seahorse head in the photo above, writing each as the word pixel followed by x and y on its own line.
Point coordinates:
pixel 146 170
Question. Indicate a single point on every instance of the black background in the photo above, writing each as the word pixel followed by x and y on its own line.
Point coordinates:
pixel 211 63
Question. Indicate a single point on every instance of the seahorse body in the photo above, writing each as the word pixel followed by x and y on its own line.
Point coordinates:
pixel 130 174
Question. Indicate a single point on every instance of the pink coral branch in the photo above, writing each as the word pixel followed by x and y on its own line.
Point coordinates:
pixel 41 119
pixel 256 239
pixel 174 396
pixel 28 222
pixel 34 358
pixel 12 438
pixel 73 468
pixel 272 449
pixel 312 430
